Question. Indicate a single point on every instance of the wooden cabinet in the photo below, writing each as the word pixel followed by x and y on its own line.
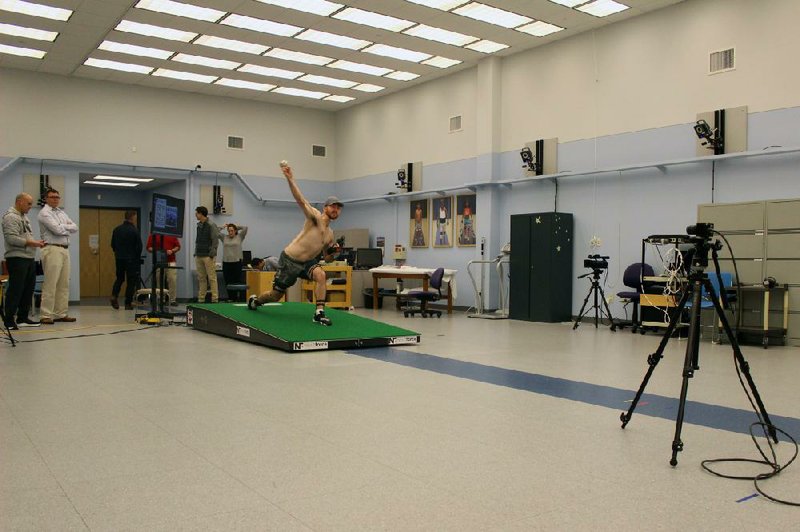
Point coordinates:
pixel 339 285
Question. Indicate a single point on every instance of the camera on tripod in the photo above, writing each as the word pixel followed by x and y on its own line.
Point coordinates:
pixel 596 262
pixel 701 230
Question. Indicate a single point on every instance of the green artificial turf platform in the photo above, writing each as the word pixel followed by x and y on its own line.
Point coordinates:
pixel 289 326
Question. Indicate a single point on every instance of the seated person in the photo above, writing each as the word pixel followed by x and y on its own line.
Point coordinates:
pixel 267 264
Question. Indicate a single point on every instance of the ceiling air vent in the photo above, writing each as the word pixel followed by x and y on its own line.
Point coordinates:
pixel 721 61
pixel 318 151
pixel 455 123
pixel 236 143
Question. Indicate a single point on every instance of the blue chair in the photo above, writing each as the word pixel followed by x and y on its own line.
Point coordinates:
pixel 706 301
pixel 633 278
pixel 423 297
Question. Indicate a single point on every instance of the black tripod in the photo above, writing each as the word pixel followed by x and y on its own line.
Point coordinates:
pixel 697 281
pixel 5 328
pixel 598 293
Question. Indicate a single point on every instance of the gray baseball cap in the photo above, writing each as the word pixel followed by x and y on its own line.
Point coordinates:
pixel 333 200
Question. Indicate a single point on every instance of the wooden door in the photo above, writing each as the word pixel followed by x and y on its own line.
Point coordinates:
pixel 98 266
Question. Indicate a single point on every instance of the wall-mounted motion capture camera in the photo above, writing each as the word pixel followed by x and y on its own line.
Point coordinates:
pixel 710 138
pixel 531 162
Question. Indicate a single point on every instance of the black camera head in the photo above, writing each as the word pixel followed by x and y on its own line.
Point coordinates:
pixel 701 230
pixel 596 262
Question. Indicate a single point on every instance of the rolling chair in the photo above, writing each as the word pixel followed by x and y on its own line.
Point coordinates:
pixel 417 300
pixel 633 278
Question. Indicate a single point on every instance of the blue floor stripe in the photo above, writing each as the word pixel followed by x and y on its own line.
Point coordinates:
pixel 706 415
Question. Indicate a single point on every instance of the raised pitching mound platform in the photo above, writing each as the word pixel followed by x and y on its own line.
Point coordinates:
pixel 288 326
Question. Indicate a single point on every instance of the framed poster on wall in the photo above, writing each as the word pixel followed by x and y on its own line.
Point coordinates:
pixel 466 217
pixel 443 222
pixel 418 223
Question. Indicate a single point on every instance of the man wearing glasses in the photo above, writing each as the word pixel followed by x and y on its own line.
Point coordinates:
pixel 55 227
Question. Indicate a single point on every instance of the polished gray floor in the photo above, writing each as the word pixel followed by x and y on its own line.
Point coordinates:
pixel 165 428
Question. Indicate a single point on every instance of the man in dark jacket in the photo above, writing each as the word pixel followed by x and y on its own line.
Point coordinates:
pixel 127 246
pixel 205 253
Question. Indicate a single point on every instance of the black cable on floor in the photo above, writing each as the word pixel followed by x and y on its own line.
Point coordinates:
pixel 81 335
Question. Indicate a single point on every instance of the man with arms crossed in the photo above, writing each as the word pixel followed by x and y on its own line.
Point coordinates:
pixel 301 257
pixel 56 227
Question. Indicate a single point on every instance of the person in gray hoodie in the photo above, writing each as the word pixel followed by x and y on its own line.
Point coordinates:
pixel 20 256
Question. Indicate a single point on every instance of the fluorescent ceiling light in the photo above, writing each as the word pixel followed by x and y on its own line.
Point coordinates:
pixel 603 8
pixel 206 61
pixel 331 39
pixel 110 184
pixel 116 65
pixel 441 62
pixel 432 33
pixel 325 80
pixel 269 71
pixel 368 87
pixel 231 44
pixel 35 10
pixel 568 3
pixel 23 52
pixel 28 33
pixel 486 46
pixel 402 76
pixel 375 20
pixel 148 30
pixel 261 25
pixel 301 92
pixel 132 49
pixel 120 178
pixel 492 15
pixel 360 67
pixel 444 5
pixel 339 98
pixel 181 10
pixel 540 29
pixel 317 7
pixel 397 53
pixel 300 57
pixel 186 76
pixel 240 84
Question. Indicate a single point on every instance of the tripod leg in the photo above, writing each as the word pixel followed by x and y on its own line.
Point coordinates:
pixel 608 310
pixel 655 358
pixel 745 367
pixel 580 314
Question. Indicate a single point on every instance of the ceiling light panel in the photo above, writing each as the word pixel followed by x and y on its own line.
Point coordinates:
pixel 397 53
pixel 603 8
pixel 360 67
pixel 432 33
pixel 241 84
pixel 132 49
pixel 331 39
pixel 492 15
pixel 486 46
pixel 317 7
pixel 120 178
pixel 441 62
pixel 185 76
pixel 22 52
pixel 116 65
pixel 181 10
pixel 368 87
pixel 301 92
pixel 374 20
pixel 444 5
pixel 206 61
pixel 231 44
pixel 568 3
pixel 269 71
pixel 399 75
pixel 325 80
pixel 35 10
pixel 300 57
pixel 28 33
pixel 338 98
pixel 540 28
pixel 148 30
pixel 261 25
pixel 110 184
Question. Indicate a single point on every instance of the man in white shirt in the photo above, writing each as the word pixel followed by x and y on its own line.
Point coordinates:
pixel 55 227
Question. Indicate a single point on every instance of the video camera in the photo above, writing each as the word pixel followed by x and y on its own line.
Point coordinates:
pixel 596 262
pixel 701 230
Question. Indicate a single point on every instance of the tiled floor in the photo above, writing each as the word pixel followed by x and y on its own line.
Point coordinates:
pixel 172 429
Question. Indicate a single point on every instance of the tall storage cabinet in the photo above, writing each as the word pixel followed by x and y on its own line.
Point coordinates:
pixel 541 267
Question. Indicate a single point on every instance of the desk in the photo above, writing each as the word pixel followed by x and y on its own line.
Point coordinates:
pixel 259 282
pixel 410 272
pixel 338 295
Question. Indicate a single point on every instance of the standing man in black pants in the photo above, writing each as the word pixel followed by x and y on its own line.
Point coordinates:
pixel 20 256
pixel 127 246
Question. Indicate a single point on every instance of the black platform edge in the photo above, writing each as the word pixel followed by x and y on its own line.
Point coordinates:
pixel 204 320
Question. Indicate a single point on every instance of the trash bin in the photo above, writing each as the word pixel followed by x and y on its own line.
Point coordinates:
pixel 368 293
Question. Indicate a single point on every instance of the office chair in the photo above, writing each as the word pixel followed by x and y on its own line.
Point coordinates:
pixel 424 297
pixel 633 278
pixel 707 303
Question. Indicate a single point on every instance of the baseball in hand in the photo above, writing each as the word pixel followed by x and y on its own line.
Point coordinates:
pixel 284 163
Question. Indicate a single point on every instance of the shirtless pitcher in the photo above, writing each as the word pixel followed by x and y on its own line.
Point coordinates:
pixel 301 257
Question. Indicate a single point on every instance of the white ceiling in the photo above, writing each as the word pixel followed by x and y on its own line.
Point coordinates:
pixel 94 21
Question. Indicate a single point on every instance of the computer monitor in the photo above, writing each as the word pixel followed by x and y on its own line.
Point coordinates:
pixel 367 258
pixel 247 256
pixel 166 215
